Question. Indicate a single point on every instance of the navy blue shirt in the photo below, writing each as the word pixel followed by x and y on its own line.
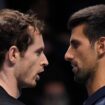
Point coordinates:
pixel 98 98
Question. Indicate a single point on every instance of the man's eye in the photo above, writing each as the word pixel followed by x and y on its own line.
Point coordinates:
pixel 38 53
pixel 75 45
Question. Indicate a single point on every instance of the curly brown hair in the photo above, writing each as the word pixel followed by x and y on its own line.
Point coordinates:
pixel 14 30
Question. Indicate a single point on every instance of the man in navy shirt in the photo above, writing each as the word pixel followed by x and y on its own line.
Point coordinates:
pixel 87 51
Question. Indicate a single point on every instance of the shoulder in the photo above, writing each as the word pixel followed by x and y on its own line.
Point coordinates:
pixel 8 101
pixel 101 101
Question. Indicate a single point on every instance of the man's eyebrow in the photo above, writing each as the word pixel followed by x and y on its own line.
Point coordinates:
pixel 74 41
pixel 40 49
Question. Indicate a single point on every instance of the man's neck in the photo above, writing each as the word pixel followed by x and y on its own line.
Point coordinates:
pixel 96 81
pixel 9 84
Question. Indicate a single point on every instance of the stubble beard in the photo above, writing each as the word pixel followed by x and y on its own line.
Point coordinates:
pixel 82 77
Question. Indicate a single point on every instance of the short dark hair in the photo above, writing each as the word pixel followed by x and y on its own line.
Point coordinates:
pixel 14 30
pixel 94 18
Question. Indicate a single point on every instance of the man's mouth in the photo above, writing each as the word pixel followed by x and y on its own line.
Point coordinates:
pixel 38 75
pixel 74 67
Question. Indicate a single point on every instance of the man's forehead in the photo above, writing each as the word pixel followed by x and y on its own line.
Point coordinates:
pixel 34 30
pixel 73 38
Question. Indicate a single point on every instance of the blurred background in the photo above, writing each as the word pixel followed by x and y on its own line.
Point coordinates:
pixel 56 86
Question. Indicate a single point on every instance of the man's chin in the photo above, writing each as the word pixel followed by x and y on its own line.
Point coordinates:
pixel 30 85
pixel 80 79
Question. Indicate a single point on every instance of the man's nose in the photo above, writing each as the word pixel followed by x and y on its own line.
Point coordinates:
pixel 68 55
pixel 44 61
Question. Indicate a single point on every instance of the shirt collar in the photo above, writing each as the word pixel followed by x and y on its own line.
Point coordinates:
pixel 94 97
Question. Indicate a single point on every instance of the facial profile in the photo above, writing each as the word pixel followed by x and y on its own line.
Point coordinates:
pixel 81 54
pixel 33 62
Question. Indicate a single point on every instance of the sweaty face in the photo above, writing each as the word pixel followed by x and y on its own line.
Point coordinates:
pixel 81 54
pixel 32 63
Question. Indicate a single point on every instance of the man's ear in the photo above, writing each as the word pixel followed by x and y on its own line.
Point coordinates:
pixel 101 46
pixel 13 54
